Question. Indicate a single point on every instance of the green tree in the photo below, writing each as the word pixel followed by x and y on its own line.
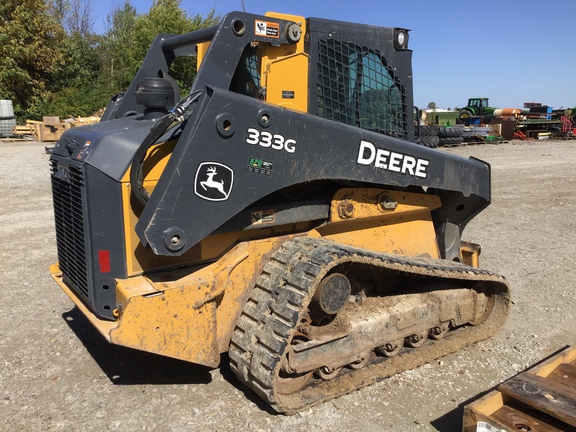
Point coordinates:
pixel 77 88
pixel 166 16
pixel 118 49
pixel 130 35
pixel 432 105
pixel 30 40
pixel 52 63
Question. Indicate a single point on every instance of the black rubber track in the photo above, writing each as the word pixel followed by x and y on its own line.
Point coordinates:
pixel 282 293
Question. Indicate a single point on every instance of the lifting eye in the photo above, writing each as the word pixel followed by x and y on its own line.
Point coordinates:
pixel 238 27
pixel 225 125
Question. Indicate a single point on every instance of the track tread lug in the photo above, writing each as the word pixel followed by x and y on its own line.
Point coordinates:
pixel 283 290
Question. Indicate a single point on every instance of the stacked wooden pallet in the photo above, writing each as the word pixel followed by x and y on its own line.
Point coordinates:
pixel 541 399
pixel 50 129
pixel 20 130
pixel 81 121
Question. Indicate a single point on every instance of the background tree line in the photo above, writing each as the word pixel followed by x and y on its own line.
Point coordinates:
pixel 53 63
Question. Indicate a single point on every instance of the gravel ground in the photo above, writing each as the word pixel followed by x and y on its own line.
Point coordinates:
pixel 57 372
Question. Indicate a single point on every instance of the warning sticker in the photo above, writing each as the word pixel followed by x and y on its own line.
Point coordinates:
pixel 260 166
pixel 267 29
pixel 85 151
pixel 263 217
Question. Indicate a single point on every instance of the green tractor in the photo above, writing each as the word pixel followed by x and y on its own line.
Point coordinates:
pixel 476 107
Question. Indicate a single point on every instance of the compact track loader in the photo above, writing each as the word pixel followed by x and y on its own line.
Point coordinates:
pixel 281 212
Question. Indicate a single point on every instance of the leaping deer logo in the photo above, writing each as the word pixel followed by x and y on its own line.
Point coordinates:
pixel 213 181
pixel 213 184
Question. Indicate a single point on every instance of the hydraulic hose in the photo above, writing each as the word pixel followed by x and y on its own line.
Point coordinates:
pixel 180 113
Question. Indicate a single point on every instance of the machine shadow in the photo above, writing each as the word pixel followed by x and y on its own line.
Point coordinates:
pixel 126 366
pixel 229 376
pixel 453 420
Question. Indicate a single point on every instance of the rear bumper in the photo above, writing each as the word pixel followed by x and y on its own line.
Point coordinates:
pixel 165 322
pixel 103 326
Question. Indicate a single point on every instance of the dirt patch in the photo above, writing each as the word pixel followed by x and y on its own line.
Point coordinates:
pixel 57 372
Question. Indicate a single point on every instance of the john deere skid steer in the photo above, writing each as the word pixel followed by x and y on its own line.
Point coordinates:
pixel 281 212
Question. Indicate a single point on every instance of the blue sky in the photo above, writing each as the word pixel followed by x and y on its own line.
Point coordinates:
pixel 510 51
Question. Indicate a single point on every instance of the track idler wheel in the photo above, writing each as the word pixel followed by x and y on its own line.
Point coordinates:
pixel 391 348
pixel 484 302
pixel 440 331
pixel 327 373
pixel 417 339
pixel 287 382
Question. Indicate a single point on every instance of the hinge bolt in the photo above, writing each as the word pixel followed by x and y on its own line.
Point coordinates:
pixel 346 209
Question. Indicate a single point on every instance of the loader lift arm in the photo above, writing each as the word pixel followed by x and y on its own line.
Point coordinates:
pixel 334 154
pixel 230 129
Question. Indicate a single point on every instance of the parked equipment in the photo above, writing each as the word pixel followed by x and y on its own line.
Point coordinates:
pixel 476 107
pixel 479 107
pixel 280 212
pixel 542 122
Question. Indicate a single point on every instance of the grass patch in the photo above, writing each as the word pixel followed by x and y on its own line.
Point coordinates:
pixel 442 118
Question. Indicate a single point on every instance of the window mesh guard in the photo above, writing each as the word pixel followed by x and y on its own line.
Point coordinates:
pixel 356 87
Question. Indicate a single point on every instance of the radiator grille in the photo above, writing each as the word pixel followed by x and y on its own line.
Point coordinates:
pixel 69 220
pixel 355 86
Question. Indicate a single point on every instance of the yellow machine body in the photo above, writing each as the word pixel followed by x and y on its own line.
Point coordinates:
pixel 190 314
